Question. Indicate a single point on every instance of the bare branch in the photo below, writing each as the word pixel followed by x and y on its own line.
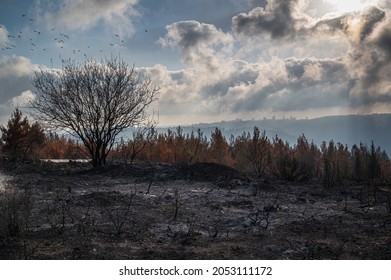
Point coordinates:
pixel 93 101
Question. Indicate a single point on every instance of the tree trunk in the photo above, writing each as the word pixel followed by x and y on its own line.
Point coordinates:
pixel 99 157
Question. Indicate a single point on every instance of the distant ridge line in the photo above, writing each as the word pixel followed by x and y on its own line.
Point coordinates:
pixel 346 129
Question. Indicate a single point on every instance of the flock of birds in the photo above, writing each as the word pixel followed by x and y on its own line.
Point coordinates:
pixel 29 40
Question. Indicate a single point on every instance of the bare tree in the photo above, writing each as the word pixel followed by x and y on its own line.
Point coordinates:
pixel 93 101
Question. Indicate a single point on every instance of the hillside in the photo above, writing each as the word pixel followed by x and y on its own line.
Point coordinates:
pixel 350 129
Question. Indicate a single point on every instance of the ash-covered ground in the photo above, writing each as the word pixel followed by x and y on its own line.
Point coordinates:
pixel 193 211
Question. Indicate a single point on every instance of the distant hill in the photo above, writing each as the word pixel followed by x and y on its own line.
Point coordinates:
pixel 350 129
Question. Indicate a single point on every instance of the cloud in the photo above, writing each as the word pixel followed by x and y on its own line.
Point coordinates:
pixel 382 38
pixel 280 57
pixel 16 101
pixel 286 85
pixel 15 66
pixel 244 88
pixel 289 19
pixel 15 80
pixel 356 26
pixel 75 14
pixel 353 76
pixel 191 34
pixel 370 63
pixel 23 99
pixel 304 84
pixel 3 34
pixel 279 19
pixel 15 75
pixel 364 81
pixel 199 43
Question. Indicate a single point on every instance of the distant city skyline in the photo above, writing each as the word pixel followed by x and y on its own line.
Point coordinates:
pixel 213 60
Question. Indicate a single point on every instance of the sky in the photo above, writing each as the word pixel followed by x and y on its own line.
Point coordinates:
pixel 212 59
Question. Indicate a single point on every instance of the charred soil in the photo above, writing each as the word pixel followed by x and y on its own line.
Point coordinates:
pixel 194 211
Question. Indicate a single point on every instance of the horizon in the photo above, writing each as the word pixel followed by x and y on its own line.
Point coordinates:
pixel 273 118
pixel 213 60
pixel 347 130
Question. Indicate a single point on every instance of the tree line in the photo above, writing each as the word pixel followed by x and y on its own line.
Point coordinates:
pixel 254 152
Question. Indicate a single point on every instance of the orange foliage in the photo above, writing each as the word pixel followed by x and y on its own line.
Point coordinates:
pixel 332 163
pixel 60 147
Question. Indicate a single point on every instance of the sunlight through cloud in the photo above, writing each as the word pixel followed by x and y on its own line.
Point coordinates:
pixel 350 6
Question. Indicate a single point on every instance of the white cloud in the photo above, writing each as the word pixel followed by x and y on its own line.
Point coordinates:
pixel 15 66
pixel 200 44
pixel 15 80
pixel 277 58
pixel 76 14
pixel 3 34
pixel 334 63
pixel 23 99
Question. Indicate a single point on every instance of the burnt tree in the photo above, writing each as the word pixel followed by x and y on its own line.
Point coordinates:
pixel 94 101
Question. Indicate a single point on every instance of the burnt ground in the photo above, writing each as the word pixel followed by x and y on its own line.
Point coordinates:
pixel 196 211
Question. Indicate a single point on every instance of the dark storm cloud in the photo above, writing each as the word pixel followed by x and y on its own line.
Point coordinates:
pixel 278 19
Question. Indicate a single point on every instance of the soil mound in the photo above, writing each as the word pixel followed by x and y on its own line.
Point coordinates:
pixel 211 172
pixel 201 172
